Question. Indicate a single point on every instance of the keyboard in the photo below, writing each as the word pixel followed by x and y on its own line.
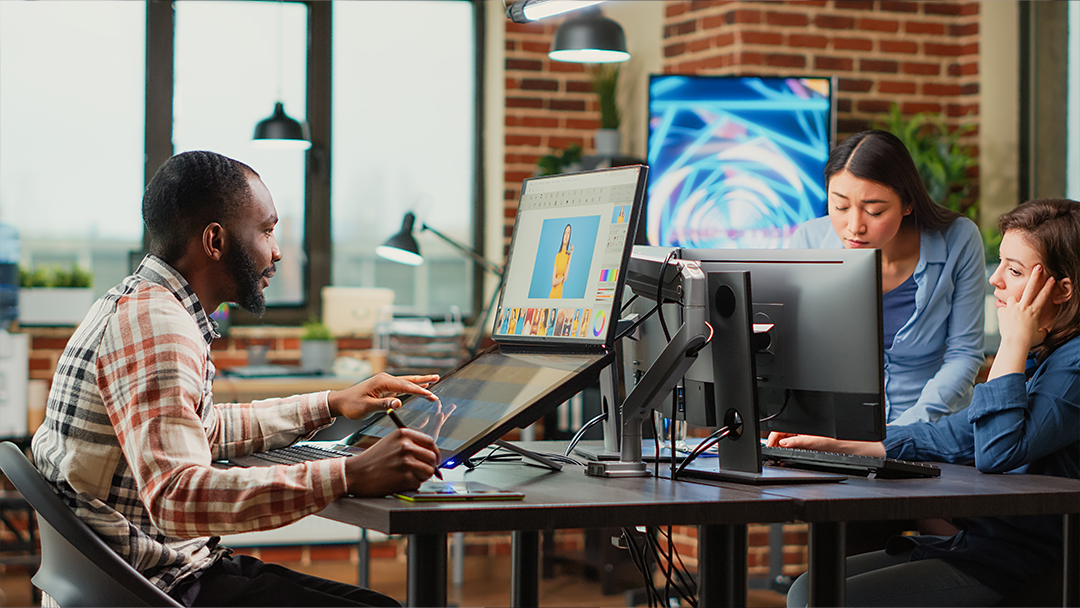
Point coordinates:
pixel 295 454
pixel 270 370
pixel 849 464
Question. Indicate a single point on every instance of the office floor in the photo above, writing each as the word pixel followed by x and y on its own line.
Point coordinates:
pixel 486 584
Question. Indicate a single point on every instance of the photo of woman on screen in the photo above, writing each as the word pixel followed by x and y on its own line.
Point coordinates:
pixel 562 264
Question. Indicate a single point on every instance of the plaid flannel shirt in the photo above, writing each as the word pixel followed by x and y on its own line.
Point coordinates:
pixel 131 434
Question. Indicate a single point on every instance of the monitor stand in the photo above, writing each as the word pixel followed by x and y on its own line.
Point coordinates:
pixel 730 399
pixel 545 462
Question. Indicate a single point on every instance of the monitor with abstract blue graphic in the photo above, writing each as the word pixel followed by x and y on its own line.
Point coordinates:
pixel 736 162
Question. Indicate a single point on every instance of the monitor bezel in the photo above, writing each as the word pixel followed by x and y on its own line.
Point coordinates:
pixel 636 209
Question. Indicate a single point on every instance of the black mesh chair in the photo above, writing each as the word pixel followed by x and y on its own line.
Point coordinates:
pixel 77 567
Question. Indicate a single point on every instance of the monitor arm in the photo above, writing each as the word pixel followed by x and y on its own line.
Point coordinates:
pixel 688 288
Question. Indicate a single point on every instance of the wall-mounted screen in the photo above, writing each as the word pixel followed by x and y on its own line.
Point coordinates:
pixel 736 162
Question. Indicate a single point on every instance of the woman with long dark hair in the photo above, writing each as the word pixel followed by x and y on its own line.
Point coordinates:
pixel 1024 419
pixel 933 273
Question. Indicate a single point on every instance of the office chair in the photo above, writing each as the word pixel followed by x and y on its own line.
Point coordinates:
pixel 77 567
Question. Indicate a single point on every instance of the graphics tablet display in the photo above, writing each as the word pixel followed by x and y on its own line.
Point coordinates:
pixel 483 400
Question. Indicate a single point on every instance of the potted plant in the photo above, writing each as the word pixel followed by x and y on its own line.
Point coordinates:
pixel 318 348
pixel 54 296
pixel 559 162
pixel 605 82
pixel 940 158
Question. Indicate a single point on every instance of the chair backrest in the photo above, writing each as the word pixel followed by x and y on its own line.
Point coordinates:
pixel 77 567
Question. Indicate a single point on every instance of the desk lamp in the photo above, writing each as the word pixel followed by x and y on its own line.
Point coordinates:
pixel 403 248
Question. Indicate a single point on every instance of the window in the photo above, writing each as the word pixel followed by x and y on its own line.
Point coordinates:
pixel 405 139
pixel 95 95
pixel 233 61
pixel 72 116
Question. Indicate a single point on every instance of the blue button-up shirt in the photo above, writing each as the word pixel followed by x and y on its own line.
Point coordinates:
pixel 1018 423
pixel 931 366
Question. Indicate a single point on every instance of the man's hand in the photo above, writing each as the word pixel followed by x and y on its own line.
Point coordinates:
pixel 399 462
pixel 378 393
pixel 826 444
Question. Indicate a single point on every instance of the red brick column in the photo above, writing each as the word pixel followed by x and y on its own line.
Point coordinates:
pixel 921 55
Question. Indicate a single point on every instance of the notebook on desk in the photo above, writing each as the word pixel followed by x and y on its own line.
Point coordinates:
pixel 554 326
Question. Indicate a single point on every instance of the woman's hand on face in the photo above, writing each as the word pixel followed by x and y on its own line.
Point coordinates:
pixel 1018 321
pixel 826 444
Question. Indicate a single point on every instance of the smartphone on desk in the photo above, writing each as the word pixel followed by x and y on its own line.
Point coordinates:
pixel 434 490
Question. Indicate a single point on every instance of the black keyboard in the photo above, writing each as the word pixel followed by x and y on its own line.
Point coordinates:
pixel 295 454
pixel 849 464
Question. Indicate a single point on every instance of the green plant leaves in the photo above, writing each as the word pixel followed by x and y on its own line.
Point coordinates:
pixel 55 276
pixel 940 158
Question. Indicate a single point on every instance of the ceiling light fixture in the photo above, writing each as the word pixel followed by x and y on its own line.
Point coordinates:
pixel 589 37
pixel 524 11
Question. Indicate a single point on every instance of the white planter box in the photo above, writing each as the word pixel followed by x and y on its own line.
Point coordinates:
pixel 54 305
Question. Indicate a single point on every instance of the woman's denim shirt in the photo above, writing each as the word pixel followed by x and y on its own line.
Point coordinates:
pixel 931 366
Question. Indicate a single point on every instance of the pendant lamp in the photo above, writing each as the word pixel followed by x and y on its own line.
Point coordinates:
pixel 281 131
pixel 589 37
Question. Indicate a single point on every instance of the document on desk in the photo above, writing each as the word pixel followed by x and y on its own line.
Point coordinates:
pixel 455 491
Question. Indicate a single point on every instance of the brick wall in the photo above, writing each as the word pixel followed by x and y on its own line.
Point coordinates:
pixel 923 56
pixel 920 55
pixel 549 105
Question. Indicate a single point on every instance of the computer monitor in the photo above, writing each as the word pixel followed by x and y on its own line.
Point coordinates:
pixel 572 237
pixel 553 332
pixel 817 339
pixel 825 357
pixel 736 161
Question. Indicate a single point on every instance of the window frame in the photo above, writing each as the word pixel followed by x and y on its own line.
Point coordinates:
pixel 318 248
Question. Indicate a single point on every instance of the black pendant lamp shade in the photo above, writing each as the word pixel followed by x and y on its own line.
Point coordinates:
pixel 281 131
pixel 402 247
pixel 589 37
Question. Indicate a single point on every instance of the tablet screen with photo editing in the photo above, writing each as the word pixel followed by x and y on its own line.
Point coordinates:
pixel 483 400
pixel 572 236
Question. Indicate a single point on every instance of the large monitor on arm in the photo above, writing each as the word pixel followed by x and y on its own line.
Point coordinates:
pixel 813 361
pixel 822 372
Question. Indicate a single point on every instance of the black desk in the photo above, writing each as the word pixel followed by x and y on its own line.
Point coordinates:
pixel 721 511
pixel 961 491
pixel 569 499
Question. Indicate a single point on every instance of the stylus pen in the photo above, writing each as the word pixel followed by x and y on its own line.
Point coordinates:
pixel 401 425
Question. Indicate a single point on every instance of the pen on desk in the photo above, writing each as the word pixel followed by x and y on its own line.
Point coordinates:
pixel 401 425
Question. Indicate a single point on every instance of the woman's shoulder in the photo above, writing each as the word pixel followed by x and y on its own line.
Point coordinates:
pixel 1068 354
pixel 961 230
pixel 813 234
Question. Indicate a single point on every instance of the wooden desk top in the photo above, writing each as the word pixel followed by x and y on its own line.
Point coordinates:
pixel 961 491
pixel 564 499
pixel 569 499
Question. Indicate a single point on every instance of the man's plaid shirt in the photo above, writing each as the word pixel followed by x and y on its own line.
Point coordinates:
pixel 132 431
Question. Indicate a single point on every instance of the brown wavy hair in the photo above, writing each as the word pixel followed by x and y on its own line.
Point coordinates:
pixel 1052 227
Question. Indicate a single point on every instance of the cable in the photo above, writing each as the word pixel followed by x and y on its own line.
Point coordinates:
pixel 709 441
pixel 659 292
pixel 656 445
pixel 639 560
pixel 581 432
pixel 514 457
pixel 787 395
pixel 634 326
pixel 628 303
pixel 685 586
